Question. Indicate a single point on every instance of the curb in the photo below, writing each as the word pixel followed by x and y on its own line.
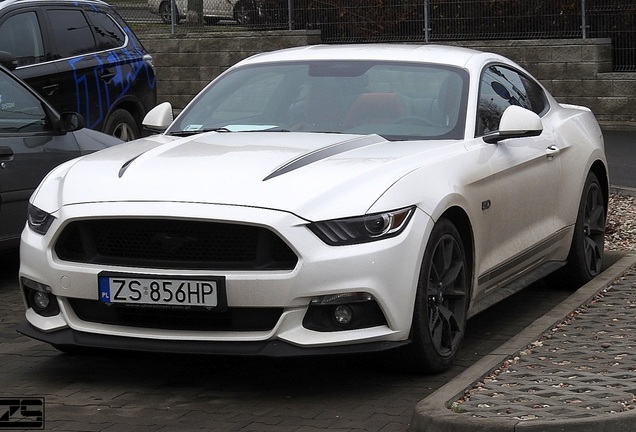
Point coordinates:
pixel 623 190
pixel 434 415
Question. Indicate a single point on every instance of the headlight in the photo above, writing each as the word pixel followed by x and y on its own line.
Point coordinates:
pixel 39 220
pixel 362 229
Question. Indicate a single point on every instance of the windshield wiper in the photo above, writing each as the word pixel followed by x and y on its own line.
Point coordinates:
pixel 185 133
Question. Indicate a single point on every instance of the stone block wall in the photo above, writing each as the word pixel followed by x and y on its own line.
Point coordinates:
pixel 186 63
pixel 575 71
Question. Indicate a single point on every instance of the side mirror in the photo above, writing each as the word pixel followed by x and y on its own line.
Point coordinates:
pixel 159 118
pixel 8 60
pixel 70 122
pixel 516 122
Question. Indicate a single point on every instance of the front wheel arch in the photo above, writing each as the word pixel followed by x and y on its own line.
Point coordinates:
pixel 458 217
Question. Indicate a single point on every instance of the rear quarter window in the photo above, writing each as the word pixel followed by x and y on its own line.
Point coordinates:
pixel 108 34
pixel 73 35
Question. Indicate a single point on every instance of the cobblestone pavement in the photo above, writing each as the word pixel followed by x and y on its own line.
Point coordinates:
pixel 137 392
pixel 577 373
pixel 581 368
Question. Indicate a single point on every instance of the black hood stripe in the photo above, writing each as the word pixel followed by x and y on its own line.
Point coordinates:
pixel 324 153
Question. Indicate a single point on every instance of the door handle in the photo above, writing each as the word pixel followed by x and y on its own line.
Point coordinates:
pixel 50 89
pixel 107 76
pixel 6 155
pixel 552 151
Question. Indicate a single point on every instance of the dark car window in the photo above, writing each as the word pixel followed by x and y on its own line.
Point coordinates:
pixel 20 111
pixel 20 34
pixel 107 33
pixel 501 87
pixel 73 35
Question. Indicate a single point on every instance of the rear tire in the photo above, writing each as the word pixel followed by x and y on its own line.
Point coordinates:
pixel 166 14
pixel 246 13
pixel 441 303
pixel 122 125
pixel 585 259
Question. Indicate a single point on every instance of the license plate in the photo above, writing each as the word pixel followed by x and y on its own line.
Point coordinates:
pixel 133 289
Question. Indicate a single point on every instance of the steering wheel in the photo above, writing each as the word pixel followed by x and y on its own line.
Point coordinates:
pixel 413 120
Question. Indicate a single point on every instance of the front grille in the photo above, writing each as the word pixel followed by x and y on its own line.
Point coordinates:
pixel 176 317
pixel 174 244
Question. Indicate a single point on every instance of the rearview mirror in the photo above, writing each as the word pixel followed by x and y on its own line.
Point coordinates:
pixel 8 60
pixel 71 121
pixel 516 122
pixel 159 118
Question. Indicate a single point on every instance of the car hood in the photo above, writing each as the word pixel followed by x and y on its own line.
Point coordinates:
pixel 90 140
pixel 315 176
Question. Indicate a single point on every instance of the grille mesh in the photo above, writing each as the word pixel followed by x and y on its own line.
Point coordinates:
pixel 174 244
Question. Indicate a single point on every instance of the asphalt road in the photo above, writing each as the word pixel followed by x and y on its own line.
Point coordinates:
pixel 620 148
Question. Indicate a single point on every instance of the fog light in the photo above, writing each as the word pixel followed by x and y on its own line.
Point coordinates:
pixel 41 300
pixel 343 314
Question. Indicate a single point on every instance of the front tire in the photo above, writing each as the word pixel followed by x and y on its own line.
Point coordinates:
pixel 585 259
pixel 441 303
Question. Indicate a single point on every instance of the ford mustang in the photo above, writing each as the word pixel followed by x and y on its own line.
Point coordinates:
pixel 319 200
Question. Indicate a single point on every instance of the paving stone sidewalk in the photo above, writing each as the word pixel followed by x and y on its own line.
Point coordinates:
pixel 579 374
pixel 583 367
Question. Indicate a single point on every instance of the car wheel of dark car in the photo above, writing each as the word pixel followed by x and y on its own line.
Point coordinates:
pixel 166 14
pixel 586 252
pixel 246 13
pixel 441 302
pixel 122 125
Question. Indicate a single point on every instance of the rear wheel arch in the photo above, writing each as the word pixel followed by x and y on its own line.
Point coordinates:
pixel 599 169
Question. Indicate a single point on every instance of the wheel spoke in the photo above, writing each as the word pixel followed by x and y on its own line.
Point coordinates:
pixel 452 282
pixel 592 256
pixel 596 224
pixel 444 330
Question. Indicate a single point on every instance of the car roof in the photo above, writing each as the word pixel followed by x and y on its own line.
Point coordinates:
pixel 7 3
pixel 427 53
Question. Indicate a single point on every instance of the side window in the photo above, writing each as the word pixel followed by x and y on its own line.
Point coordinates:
pixel 536 95
pixel 20 111
pixel 20 34
pixel 108 34
pixel 501 87
pixel 73 35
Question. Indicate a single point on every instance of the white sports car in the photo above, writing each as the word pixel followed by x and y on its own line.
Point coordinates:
pixel 317 200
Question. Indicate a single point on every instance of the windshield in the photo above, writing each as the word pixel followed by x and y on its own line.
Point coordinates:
pixel 399 101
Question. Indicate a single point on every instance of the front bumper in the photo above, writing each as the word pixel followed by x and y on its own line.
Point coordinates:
pixel 273 348
pixel 387 270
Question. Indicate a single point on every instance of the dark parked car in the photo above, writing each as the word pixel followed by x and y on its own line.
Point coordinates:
pixel 81 56
pixel 34 139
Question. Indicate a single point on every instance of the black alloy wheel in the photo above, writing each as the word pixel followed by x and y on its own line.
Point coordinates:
pixel 585 259
pixel 593 227
pixel 441 303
